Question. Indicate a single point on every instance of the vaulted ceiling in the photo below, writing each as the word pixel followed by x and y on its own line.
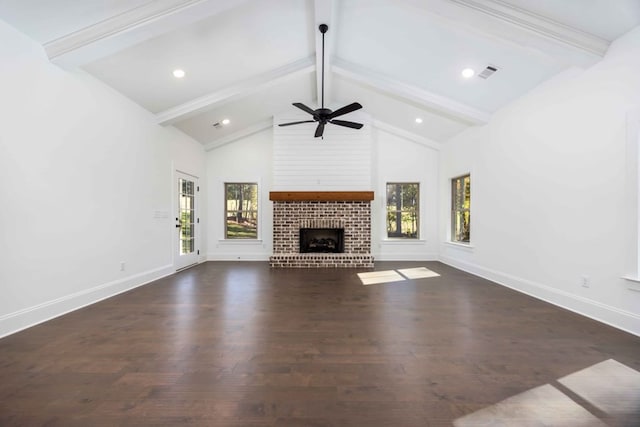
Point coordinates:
pixel 248 60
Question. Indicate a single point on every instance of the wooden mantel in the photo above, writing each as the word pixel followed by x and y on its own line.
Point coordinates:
pixel 321 196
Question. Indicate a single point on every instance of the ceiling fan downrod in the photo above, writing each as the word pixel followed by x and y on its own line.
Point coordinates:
pixel 323 29
pixel 322 115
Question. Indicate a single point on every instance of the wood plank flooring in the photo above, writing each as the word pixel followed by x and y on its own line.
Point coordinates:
pixel 240 344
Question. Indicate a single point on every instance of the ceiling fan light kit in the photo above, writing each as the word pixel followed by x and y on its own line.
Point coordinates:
pixel 324 115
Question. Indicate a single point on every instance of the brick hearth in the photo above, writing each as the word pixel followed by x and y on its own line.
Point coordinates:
pixel 289 216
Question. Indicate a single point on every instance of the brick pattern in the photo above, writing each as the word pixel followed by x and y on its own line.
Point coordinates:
pixel 290 216
pixel 321 261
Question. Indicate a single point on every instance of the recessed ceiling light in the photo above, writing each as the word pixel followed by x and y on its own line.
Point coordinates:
pixel 178 74
pixel 418 120
pixel 468 73
pixel 225 121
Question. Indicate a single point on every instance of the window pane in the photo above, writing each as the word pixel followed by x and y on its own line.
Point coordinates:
pixel 402 209
pixel 186 188
pixel 241 210
pixel 461 209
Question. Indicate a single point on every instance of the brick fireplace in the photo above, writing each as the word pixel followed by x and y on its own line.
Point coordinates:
pixel 348 211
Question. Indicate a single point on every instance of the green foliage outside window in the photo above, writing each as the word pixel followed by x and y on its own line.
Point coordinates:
pixel 241 211
pixel 403 201
pixel 461 209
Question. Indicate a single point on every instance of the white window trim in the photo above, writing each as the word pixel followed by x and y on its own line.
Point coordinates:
pixel 248 180
pixel 400 240
pixel 240 242
pixel 460 245
pixel 632 187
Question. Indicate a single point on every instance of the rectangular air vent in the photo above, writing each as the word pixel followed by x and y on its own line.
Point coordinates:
pixel 488 72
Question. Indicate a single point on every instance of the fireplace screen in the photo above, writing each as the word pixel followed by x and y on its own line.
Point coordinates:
pixel 323 240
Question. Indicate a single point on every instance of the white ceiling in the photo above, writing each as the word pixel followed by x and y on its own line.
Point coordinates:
pixel 248 60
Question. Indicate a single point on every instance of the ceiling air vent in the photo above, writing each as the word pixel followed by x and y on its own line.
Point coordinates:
pixel 488 72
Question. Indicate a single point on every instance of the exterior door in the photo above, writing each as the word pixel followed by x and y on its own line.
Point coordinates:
pixel 186 241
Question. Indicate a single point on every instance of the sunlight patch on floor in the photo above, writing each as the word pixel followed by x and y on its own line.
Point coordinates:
pixel 375 277
pixel 388 276
pixel 417 273
pixel 541 406
pixel 609 386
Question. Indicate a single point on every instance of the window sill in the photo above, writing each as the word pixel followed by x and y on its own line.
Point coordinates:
pixel 464 246
pixel 240 241
pixel 634 282
pixel 400 241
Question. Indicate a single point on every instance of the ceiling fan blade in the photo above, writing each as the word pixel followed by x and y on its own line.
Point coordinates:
pixel 345 123
pixel 319 130
pixel 297 123
pixel 304 108
pixel 344 110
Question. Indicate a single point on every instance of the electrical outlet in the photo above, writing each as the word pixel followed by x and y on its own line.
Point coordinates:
pixel 122 266
pixel 585 281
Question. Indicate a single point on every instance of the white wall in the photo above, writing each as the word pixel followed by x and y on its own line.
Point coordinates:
pixel 246 160
pixel 400 159
pixel 548 190
pixel 391 155
pixel 83 172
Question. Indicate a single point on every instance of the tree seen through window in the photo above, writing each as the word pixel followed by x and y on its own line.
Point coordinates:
pixel 403 200
pixel 241 210
pixel 461 209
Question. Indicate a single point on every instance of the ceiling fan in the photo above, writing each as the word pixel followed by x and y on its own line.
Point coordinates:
pixel 324 115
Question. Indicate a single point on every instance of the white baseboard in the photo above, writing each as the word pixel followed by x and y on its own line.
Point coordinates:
pixel 612 316
pixel 31 316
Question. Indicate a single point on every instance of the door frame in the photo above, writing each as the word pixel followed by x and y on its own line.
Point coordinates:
pixel 175 206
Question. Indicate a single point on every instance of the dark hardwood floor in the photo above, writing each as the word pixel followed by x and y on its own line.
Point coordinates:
pixel 240 344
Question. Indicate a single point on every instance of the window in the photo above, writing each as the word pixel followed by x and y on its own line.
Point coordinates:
pixel 461 209
pixel 632 196
pixel 241 210
pixel 402 209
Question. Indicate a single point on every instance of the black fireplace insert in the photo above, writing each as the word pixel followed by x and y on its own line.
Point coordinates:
pixel 322 240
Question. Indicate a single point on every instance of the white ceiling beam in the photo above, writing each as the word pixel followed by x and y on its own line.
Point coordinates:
pixel 235 91
pixel 242 133
pixel 129 28
pixel 424 98
pixel 509 24
pixel 538 24
pixel 426 142
pixel 323 14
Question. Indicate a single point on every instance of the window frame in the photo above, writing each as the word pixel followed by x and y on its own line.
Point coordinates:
pixel 632 208
pixel 417 211
pixel 456 209
pixel 257 211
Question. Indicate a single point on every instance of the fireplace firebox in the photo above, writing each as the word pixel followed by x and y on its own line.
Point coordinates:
pixel 322 240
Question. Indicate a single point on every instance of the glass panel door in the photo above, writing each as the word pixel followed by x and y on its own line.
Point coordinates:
pixel 186 221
